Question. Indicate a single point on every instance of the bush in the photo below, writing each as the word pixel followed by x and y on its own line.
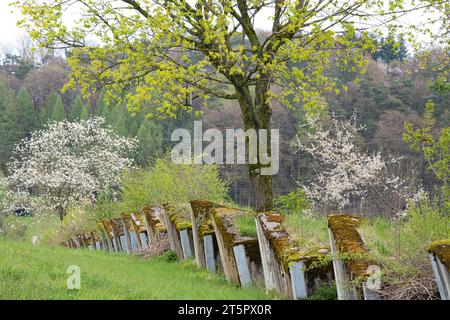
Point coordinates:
pixel 169 256
pixel 399 246
pixel 14 229
pixel 166 182
pixel 324 292
pixel 77 221
pixel 293 203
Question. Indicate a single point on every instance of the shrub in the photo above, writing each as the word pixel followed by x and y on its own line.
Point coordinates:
pixel 77 221
pixel 294 202
pixel 14 229
pixel 166 182
pixel 324 292
pixel 399 246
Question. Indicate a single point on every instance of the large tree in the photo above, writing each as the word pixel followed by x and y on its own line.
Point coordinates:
pixel 70 162
pixel 213 47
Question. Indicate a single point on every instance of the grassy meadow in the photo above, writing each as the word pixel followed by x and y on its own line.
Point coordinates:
pixel 39 272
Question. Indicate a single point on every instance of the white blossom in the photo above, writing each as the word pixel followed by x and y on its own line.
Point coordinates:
pixel 70 162
pixel 344 171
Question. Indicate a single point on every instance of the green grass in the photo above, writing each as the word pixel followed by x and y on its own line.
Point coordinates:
pixel 246 225
pixel 400 246
pixel 28 272
pixel 308 231
pixel 23 228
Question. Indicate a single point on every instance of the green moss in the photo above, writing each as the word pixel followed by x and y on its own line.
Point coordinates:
pixel 349 241
pixel 284 247
pixel 179 216
pixel 202 210
pixel 155 223
pixel 441 249
pixel 223 221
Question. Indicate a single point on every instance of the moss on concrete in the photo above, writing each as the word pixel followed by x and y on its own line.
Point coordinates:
pixel 285 248
pixel 107 225
pixel 127 218
pixel 155 222
pixel 202 210
pixel 116 223
pixel 223 221
pixel 137 219
pixel 348 241
pixel 441 249
pixel 179 216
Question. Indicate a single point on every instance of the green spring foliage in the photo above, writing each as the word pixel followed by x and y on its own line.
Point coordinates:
pixel 165 182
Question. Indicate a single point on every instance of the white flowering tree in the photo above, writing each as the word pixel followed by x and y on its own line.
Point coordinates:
pixel 345 172
pixel 70 162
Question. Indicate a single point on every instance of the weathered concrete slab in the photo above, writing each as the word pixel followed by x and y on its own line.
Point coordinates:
pixel 174 223
pixel 186 244
pixel 201 227
pixel 345 239
pixel 242 265
pixel 208 246
pixel 440 260
pixel 283 261
pixel 154 222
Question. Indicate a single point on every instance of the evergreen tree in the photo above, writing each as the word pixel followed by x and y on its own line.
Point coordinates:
pixel 76 109
pixel 5 97
pixel 26 112
pixel 84 115
pixel 45 113
pixel 58 112
pixel 101 109
pixel 133 124
pixel 9 129
pixel 390 49
pixel 150 141
pixel 118 120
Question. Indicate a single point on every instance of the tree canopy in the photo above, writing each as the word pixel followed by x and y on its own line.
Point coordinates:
pixel 164 51
pixel 70 162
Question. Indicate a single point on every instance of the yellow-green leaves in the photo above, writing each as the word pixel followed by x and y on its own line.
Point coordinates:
pixel 163 51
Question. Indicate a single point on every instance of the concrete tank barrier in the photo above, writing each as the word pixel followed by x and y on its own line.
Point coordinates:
pixel 232 246
pixel 284 264
pixel 179 230
pixel 211 231
pixel 203 234
pixel 154 223
pixel 439 252
pixel 106 229
pixel 350 260
pixel 139 230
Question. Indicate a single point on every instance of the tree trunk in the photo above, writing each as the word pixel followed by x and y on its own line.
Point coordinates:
pixel 61 213
pixel 256 114
pixel 262 197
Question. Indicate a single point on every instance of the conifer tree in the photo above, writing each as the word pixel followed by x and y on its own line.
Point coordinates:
pixel 84 115
pixel 150 140
pixel 58 112
pixel 26 112
pixel 45 113
pixel 76 108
